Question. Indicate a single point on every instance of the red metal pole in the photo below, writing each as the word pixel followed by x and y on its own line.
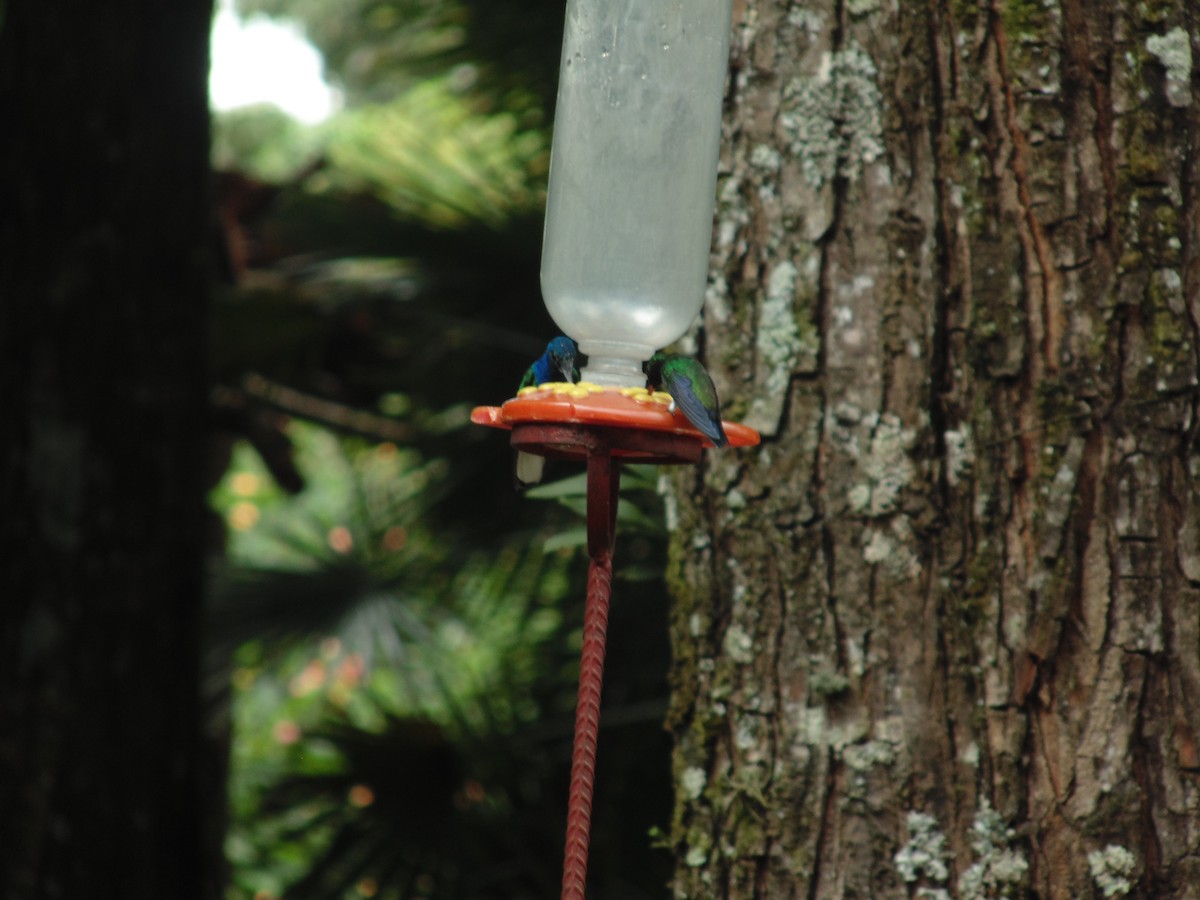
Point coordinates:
pixel 587 728
pixel 603 486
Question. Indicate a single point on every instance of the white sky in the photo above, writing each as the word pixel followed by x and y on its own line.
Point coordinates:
pixel 260 61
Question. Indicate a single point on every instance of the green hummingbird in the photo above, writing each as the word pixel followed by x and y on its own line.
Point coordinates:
pixel 691 390
pixel 558 359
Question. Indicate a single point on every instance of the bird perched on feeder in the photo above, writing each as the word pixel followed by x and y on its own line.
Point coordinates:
pixel 691 391
pixel 557 360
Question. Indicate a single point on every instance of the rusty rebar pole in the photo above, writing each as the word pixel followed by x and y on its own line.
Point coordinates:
pixel 603 485
pixel 587 728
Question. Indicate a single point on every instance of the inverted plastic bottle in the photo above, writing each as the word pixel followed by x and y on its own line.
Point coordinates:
pixel 633 172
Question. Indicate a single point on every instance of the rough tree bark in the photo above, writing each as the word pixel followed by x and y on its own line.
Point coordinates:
pixel 940 634
pixel 103 281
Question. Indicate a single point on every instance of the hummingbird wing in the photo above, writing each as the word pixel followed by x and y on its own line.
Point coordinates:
pixel 707 421
pixel 529 379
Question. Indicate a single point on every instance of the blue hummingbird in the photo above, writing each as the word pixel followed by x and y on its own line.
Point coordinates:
pixel 557 360
pixel 692 391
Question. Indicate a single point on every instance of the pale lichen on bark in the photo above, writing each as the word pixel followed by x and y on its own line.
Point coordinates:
pixel 832 118
pixel 1174 51
pixel 964 568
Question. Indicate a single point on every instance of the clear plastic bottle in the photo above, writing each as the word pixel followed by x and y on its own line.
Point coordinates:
pixel 633 176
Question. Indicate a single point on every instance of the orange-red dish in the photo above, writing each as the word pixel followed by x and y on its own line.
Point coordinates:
pixel 591 404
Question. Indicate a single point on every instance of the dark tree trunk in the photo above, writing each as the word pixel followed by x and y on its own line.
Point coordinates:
pixel 103 284
pixel 941 632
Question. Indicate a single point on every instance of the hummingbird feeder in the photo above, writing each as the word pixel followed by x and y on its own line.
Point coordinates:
pixel 633 173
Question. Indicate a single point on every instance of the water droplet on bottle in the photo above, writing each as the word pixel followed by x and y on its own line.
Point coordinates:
pixel 666 46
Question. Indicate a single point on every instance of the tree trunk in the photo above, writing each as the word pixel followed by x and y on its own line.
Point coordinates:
pixel 940 634
pixel 103 283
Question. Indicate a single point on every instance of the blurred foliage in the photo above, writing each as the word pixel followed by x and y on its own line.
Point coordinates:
pixel 263 141
pixel 375 49
pixel 393 633
pixel 363 736
pixel 403 704
pixel 433 155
